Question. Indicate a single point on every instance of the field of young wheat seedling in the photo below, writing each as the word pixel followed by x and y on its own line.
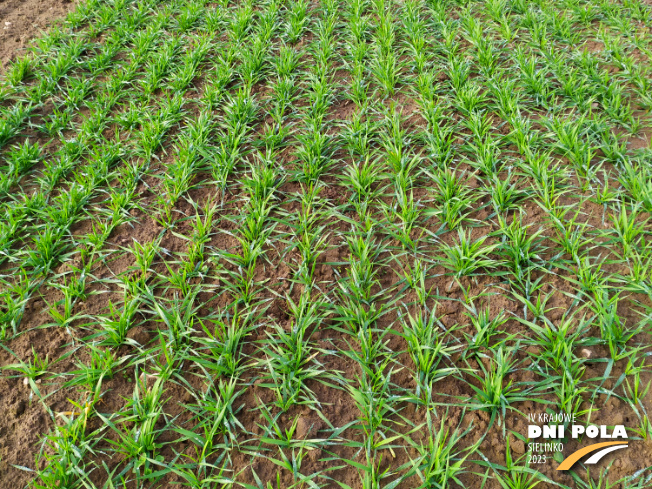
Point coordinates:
pixel 353 244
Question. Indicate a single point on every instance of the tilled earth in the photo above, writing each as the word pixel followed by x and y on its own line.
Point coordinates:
pixel 324 244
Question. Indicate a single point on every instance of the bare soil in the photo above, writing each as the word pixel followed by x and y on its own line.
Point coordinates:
pixel 22 20
pixel 24 421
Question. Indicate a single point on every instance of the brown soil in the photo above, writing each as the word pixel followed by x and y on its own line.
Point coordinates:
pixel 22 20
pixel 24 421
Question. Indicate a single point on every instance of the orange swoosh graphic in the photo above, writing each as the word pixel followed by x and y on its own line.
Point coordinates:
pixel 575 456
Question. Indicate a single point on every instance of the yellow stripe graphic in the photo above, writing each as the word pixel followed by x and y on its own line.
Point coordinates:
pixel 575 456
